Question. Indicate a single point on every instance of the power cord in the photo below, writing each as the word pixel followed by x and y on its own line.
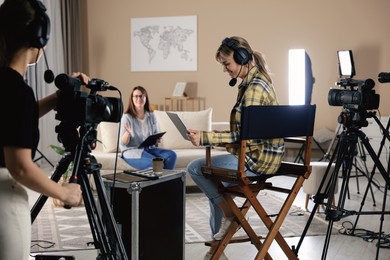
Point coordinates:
pixel 366 235
pixel 37 243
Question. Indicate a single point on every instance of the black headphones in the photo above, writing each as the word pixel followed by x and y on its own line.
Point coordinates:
pixel 240 55
pixel 40 27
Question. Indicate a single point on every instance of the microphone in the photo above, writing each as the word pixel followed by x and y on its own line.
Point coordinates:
pixel 233 81
pixel 384 77
pixel 48 75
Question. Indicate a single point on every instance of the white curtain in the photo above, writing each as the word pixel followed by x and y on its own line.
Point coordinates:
pixel 55 58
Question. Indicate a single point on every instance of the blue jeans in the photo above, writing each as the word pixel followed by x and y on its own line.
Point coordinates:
pixel 147 156
pixel 227 161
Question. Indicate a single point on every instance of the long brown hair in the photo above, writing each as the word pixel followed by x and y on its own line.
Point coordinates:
pixel 131 108
pixel 256 56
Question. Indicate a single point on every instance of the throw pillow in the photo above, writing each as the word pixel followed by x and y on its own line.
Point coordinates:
pixel 109 136
pixel 199 120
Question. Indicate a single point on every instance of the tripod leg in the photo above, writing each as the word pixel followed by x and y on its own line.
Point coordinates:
pixel 58 172
pixel 375 158
pixel 104 230
pixel 322 194
pixel 108 216
pixel 345 145
pixel 334 214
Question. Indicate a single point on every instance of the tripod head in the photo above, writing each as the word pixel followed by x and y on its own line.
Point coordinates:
pixel 354 119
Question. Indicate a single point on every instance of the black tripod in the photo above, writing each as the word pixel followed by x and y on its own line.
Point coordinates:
pixel 105 234
pixel 344 154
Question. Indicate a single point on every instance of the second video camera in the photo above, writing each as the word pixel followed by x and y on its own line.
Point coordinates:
pixel 357 95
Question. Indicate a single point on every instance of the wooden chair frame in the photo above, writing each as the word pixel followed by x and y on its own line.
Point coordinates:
pixel 294 124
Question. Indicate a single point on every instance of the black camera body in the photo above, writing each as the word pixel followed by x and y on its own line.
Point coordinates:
pixel 360 95
pixel 78 107
pixel 80 112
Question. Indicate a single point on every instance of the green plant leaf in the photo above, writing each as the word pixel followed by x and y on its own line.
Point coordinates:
pixel 58 149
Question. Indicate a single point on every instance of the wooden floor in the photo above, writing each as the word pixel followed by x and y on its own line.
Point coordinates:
pixel 341 246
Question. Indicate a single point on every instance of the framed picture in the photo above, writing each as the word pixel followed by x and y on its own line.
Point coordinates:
pixel 179 89
pixel 164 43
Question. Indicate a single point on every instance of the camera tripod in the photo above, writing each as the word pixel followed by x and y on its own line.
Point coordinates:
pixel 359 168
pixel 344 154
pixel 105 234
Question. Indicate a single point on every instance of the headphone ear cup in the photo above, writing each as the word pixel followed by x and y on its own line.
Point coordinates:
pixel 40 28
pixel 241 56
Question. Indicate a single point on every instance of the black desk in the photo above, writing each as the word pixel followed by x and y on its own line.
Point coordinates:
pixel 150 216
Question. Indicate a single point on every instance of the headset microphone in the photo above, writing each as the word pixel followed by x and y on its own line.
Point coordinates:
pixel 233 81
pixel 48 75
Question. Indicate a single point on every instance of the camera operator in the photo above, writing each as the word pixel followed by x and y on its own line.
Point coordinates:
pixel 24 32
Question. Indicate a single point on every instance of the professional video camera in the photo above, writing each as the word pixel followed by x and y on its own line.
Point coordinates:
pixel 79 107
pixel 76 108
pixel 356 97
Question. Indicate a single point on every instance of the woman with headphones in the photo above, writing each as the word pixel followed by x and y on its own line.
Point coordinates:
pixel 239 61
pixel 24 32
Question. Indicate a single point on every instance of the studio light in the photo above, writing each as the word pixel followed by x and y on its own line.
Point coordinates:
pixel 300 78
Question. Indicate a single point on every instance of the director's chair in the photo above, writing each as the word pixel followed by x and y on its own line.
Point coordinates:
pixel 293 123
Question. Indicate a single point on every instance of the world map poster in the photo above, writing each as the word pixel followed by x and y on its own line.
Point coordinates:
pixel 164 43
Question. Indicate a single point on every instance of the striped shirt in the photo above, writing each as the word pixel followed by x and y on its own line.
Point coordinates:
pixel 263 156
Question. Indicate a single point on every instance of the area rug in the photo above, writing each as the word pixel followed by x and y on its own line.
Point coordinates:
pixel 198 229
pixel 58 229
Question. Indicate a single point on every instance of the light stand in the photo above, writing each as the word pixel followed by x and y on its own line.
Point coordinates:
pixel 42 156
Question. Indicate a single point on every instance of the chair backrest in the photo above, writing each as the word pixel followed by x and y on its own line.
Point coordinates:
pixel 263 122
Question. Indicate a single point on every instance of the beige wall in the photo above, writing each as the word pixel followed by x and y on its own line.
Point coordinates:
pixel 271 27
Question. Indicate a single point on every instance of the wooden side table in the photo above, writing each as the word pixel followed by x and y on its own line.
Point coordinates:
pixel 184 103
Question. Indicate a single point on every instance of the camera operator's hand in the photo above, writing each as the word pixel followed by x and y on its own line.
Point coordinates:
pixel 84 78
pixel 72 194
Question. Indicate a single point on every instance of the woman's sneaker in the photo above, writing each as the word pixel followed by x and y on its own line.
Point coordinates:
pixel 225 224
pixel 209 255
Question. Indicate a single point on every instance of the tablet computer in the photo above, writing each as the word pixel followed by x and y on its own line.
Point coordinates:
pixel 179 124
pixel 151 140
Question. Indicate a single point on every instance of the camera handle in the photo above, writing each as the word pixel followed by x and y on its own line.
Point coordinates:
pixel 104 230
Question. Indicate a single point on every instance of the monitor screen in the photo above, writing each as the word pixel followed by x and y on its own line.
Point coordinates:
pixel 346 64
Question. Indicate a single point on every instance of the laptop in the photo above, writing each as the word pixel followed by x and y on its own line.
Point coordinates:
pixel 151 140
pixel 179 124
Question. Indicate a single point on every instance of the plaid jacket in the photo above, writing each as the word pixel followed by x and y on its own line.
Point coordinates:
pixel 263 155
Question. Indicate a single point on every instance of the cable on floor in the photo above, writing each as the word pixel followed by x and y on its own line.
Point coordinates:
pixel 366 235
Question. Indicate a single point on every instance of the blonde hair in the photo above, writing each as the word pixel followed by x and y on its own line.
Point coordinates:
pixel 255 57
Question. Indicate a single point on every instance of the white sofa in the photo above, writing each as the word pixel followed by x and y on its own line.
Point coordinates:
pixel 105 151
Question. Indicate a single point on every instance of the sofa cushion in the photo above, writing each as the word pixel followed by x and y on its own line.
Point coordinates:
pixel 199 120
pixel 109 136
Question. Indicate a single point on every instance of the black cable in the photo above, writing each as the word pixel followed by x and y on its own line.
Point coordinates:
pixel 51 244
pixel 112 192
pixel 366 235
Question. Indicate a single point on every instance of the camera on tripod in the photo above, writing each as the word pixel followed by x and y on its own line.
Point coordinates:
pixel 79 107
pixel 356 97
pixel 76 108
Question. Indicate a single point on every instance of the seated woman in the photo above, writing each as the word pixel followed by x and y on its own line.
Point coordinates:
pixel 137 123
